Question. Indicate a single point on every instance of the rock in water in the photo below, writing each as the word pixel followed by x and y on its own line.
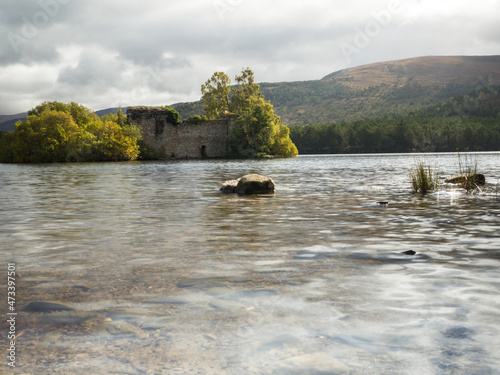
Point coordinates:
pixel 249 184
pixel 45 307
pixel 480 179
pixel 409 252
pixel 255 184
pixel 229 186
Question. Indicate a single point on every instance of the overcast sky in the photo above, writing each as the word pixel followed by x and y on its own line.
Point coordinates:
pixel 103 53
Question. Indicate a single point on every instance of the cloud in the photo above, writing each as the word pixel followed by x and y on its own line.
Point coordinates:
pixel 104 53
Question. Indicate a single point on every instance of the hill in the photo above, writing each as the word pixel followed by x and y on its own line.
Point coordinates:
pixel 368 91
pixel 374 90
pixel 8 122
pixel 467 122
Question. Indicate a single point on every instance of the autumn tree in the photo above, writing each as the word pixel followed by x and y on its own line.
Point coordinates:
pixel 44 138
pixel 58 132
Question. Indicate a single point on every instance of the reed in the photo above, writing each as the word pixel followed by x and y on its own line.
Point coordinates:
pixel 468 170
pixel 422 179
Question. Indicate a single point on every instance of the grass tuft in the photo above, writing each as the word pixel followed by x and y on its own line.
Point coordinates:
pixel 422 179
pixel 468 169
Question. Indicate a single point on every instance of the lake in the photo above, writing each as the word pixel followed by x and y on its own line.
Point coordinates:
pixel 166 275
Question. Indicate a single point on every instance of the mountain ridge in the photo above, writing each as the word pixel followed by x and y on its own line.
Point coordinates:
pixel 375 90
pixel 365 91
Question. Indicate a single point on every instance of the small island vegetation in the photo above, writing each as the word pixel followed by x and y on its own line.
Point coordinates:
pixel 58 132
pixel 259 131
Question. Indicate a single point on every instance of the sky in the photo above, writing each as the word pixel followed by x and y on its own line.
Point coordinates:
pixel 103 53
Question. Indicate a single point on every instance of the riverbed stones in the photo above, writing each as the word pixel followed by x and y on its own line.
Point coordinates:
pixel 249 184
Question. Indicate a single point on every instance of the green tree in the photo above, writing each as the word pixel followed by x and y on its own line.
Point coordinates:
pixel 215 95
pixel 7 140
pixel 246 89
pixel 173 117
pixel 117 117
pixel 121 118
pixel 259 132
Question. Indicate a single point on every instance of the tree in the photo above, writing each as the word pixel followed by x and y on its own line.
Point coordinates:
pixel 215 95
pixel 44 138
pixel 259 132
pixel 246 89
pixel 80 114
pixel 121 119
pixel 111 143
pixel 283 146
pixel 57 132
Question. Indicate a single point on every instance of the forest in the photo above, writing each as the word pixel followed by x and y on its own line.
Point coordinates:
pixel 468 122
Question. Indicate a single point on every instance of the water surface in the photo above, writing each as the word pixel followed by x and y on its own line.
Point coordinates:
pixel 167 275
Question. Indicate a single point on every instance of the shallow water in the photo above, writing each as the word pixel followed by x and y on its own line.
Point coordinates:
pixel 167 275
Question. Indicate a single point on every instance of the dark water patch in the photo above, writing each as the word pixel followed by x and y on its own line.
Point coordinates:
pixel 67 317
pixel 458 333
pixel 172 301
pixel 452 353
pixel 212 282
pixel 81 287
pixel 43 307
pixel 395 258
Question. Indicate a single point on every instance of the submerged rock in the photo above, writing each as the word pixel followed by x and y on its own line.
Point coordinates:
pixel 45 307
pixel 460 179
pixel 249 184
pixel 409 252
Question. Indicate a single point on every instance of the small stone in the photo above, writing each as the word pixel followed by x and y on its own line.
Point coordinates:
pixel 409 252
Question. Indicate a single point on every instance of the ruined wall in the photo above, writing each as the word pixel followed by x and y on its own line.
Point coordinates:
pixel 187 140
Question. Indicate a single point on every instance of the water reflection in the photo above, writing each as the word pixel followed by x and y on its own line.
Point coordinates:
pixel 166 275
